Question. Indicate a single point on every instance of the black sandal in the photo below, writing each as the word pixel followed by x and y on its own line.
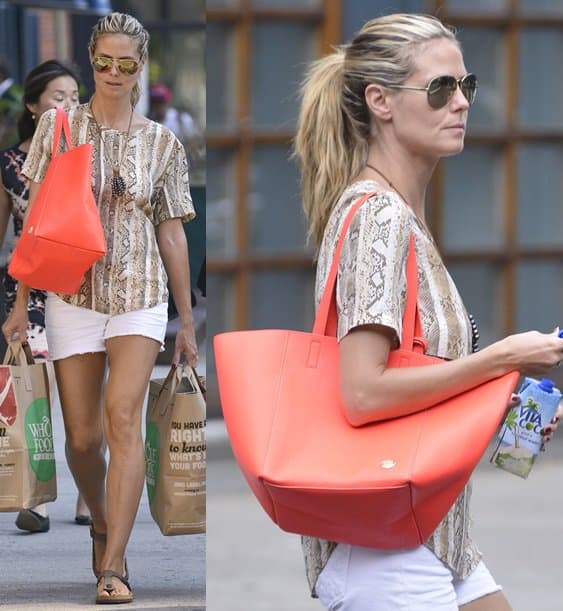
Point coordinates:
pixel 113 599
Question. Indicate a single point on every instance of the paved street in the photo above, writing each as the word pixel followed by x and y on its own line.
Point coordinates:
pixel 254 566
pixel 52 571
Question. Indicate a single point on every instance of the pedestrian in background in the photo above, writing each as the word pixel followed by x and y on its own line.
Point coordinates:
pixel 377 115
pixel 178 121
pixel 51 84
pixel 118 318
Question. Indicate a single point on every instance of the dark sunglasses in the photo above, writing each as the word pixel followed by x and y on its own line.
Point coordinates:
pixel 105 64
pixel 441 89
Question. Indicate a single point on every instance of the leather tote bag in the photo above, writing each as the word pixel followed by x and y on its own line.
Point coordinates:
pixel 63 235
pixel 385 485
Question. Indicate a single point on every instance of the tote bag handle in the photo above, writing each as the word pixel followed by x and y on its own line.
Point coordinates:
pixel 326 318
pixel 61 124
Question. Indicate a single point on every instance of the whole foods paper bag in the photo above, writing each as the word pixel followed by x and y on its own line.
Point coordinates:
pixel 27 458
pixel 175 452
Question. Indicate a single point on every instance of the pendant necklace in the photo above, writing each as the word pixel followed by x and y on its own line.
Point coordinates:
pixel 420 222
pixel 117 182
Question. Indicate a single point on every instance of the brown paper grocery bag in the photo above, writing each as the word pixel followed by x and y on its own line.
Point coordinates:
pixel 175 452
pixel 27 458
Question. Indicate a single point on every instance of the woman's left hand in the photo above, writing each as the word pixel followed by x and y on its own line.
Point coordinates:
pixel 186 345
pixel 551 427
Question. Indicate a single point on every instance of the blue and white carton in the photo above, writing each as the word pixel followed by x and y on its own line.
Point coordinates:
pixel 520 436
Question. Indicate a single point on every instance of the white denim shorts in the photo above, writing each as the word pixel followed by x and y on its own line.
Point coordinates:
pixel 72 330
pixel 364 579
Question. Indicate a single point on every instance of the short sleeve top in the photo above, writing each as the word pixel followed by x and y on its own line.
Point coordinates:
pixel 131 275
pixel 371 289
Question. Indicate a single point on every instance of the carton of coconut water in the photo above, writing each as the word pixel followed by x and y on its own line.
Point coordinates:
pixel 520 436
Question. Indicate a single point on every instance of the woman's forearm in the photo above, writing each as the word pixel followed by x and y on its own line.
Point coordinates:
pixel 371 391
pixel 401 391
pixel 22 295
pixel 174 252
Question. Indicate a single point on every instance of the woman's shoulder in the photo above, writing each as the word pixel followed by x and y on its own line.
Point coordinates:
pixel 380 202
pixel 383 213
pixel 80 110
pixel 46 121
pixel 159 135
pixel 80 114
pixel 165 133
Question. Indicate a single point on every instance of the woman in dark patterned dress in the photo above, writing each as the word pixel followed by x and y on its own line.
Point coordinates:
pixel 48 85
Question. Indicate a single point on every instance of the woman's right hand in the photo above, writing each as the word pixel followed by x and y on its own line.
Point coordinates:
pixel 15 326
pixel 533 353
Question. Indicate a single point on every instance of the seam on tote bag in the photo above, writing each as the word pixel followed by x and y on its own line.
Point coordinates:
pixel 276 402
pixel 411 487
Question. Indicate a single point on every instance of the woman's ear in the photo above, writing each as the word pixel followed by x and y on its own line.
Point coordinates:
pixel 377 101
pixel 32 108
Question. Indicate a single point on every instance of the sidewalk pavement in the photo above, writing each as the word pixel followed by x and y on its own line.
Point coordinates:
pixel 52 571
pixel 254 566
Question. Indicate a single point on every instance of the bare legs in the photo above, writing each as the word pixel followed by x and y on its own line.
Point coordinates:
pixel 113 503
pixel 80 381
pixel 131 360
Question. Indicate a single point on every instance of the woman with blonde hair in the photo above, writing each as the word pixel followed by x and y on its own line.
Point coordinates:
pixel 118 318
pixel 376 117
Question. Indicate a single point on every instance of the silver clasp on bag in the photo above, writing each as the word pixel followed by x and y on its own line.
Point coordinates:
pixel 388 463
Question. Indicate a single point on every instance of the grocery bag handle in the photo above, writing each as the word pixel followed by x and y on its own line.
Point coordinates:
pixel 171 383
pixel 18 353
pixel 200 383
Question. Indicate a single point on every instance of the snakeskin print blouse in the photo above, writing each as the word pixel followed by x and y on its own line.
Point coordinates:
pixel 131 275
pixel 371 289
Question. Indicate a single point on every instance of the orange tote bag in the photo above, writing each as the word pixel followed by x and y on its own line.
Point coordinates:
pixel 386 484
pixel 63 235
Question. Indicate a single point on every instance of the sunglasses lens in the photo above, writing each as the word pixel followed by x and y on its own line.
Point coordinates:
pixel 468 87
pixel 440 90
pixel 102 64
pixel 127 66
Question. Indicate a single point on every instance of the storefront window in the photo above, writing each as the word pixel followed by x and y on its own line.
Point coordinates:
pixel 177 62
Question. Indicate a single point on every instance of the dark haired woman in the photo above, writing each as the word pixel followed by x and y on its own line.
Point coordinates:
pixel 49 85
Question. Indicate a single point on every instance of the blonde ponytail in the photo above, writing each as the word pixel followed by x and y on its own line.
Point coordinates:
pixel 329 148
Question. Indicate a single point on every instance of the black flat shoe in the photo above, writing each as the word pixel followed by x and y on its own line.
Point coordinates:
pixel 32 522
pixel 83 520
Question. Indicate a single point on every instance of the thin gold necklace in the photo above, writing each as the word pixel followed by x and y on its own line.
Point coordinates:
pixel 117 182
pixel 420 221
pixel 386 180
